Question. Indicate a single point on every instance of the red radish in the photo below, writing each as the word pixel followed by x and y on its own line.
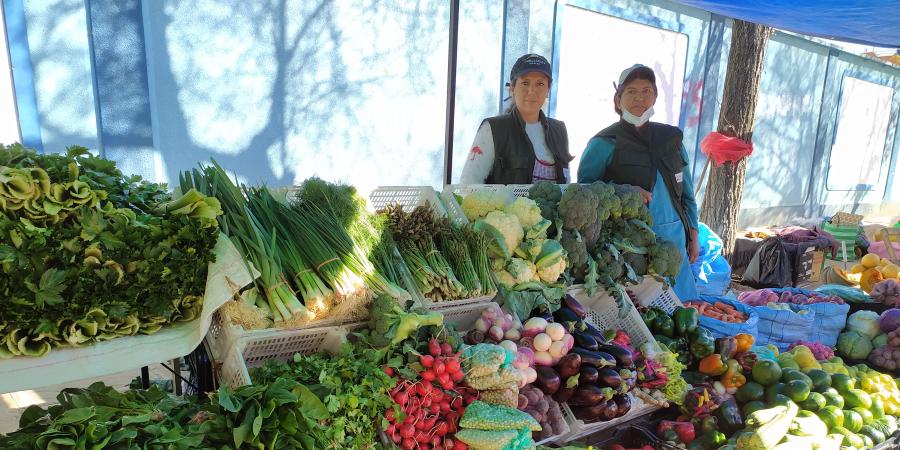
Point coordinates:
pixel 439 368
pixel 435 408
pixel 436 442
pixel 407 431
pixel 441 428
pixel 401 398
pixel 434 348
pixel 420 425
pixel 408 444
pixel 460 445
pixel 426 360
pixel 452 365
pixel 389 415
pixel 445 407
pixel 447 384
pixel 389 371
pixel 446 348
pixel 396 438
pixel 428 375
pixel 457 376
pixel 429 422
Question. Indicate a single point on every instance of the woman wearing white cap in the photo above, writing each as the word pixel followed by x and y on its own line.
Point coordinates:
pixel 524 145
pixel 650 157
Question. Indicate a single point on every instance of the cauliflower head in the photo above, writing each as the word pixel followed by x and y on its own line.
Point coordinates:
pixel 521 270
pixel 528 212
pixel 505 278
pixel 506 228
pixel 552 272
pixel 481 202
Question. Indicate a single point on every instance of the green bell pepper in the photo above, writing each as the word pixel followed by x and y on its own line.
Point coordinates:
pixel 682 347
pixel 702 343
pixel 667 341
pixel 708 441
pixel 649 316
pixel 686 320
pixel 664 325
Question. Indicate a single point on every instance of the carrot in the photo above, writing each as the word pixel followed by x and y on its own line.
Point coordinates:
pixel 702 308
pixel 724 306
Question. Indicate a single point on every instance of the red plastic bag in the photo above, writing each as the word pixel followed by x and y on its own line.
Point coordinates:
pixel 724 149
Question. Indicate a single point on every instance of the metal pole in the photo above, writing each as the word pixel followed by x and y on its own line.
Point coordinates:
pixel 451 91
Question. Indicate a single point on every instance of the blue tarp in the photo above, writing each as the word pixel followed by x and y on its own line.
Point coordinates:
pixel 875 23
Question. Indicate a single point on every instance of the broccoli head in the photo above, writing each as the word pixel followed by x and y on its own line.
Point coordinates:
pixel 607 201
pixel 631 202
pixel 610 264
pixel 546 195
pixel 665 259
pixel 577 207
pixel 637 262
pixel 635 233
pixel 578 254
pixel 591 234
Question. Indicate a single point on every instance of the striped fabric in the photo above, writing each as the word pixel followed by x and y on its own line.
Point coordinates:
pixel 543 171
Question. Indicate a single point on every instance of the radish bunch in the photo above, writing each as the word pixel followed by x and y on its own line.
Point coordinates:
pixel 431 407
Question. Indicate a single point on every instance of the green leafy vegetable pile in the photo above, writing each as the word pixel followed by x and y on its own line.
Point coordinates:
pixel 89 255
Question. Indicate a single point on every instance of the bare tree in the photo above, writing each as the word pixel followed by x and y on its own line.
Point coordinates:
pixel 722 201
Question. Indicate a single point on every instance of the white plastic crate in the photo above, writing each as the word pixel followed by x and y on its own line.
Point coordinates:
pixel 653 293
pixel 408 197
pixel 604 314
pixel 224 335
pixel 253 351
pixel 579 429
pixel 447 304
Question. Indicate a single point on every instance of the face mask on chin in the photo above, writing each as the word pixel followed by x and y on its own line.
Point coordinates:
pixel 635 120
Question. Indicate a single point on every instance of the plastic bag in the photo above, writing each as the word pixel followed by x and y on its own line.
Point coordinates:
pixel 830 318
pixel 783 327
pixel 483 416
pixel 719 328
pixel 848 293
pixel 712 278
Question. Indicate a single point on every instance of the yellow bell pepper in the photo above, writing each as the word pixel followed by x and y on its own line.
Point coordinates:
pixel 733 378
pixel 833 368
pixel 744 342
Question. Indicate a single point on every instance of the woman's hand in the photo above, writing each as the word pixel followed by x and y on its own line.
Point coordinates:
pixel 693 247
pixel 646 196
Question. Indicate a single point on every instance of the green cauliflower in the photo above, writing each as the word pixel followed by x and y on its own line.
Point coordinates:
pixel 665 259
pixel 551 273
pixel 481 202
pixel 504 278
pixel 606 199
pixel 577 207
pixel 528 212
pixel 577 253
pixel 547 196
pixel 538 230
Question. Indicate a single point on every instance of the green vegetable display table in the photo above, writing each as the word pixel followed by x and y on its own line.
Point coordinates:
pixel 64 365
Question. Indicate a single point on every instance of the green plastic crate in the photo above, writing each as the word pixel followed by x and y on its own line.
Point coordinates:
pixel 847 234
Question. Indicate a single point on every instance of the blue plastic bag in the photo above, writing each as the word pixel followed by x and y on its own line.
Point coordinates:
pixel 848 293
pixel 783 327
pixel 712 278
pixel 712 274
pixel 830 318
pixel 719 328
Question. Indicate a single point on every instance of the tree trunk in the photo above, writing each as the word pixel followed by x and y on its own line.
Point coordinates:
pixel 722 201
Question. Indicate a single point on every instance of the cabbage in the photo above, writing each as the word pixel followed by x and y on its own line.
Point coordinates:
pixel 854 345
pixel 864 323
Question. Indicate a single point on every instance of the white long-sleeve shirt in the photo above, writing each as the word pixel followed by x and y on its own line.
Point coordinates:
pixel 480 160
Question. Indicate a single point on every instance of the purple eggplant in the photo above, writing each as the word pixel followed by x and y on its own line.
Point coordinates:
pixel 623 357
pixel 589 375
pixel 585 341
pixel 587 395
pixel 575 306
pixel 596 359
pixel 609 378
pixel 569 365
pixel 611 411
pixel 568 388
pixel 623 404
pixel 548 381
